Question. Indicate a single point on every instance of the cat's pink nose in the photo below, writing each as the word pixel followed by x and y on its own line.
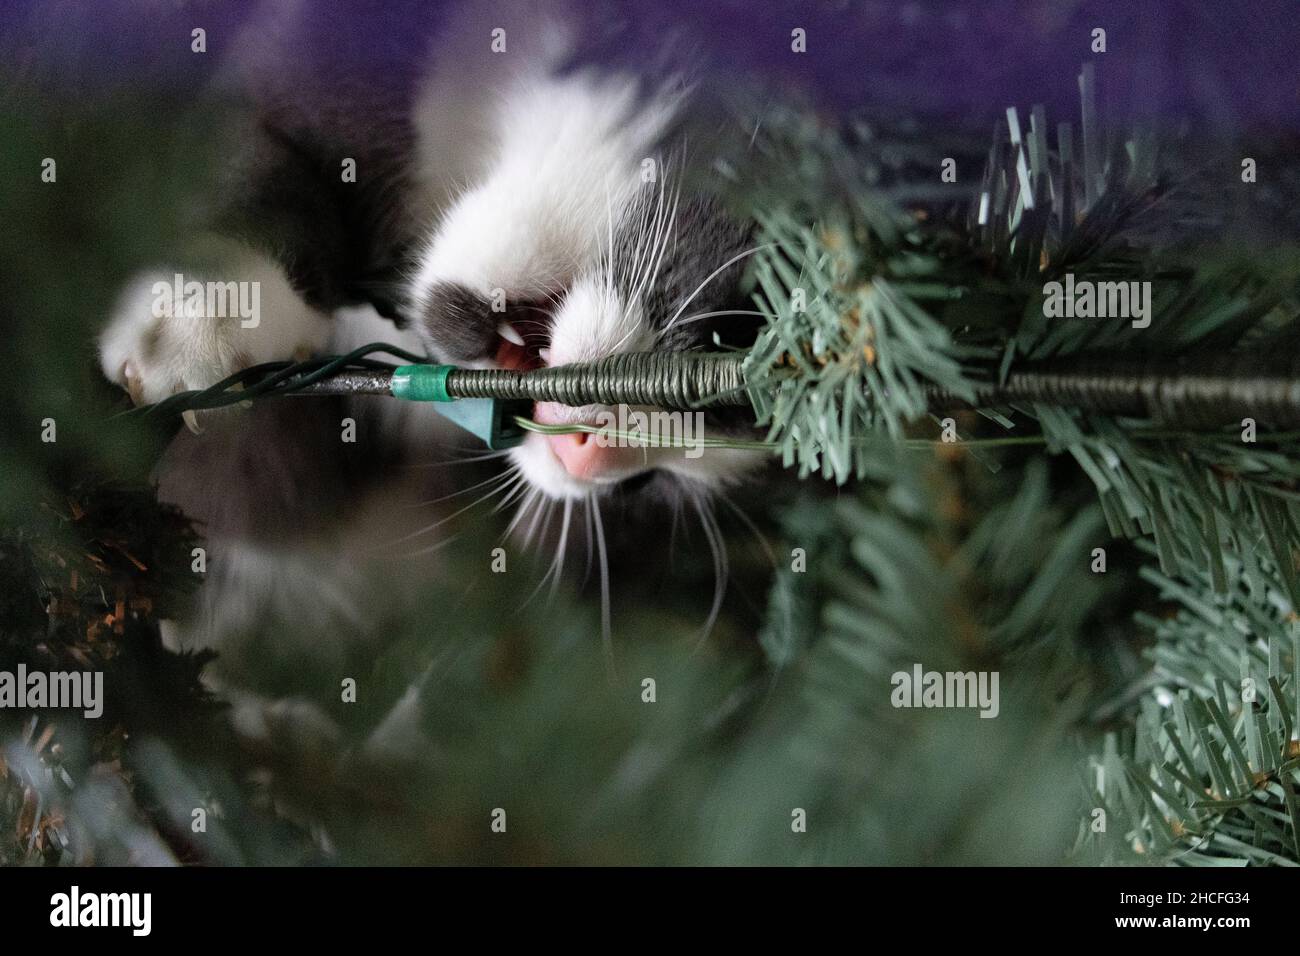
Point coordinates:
pixel 581 454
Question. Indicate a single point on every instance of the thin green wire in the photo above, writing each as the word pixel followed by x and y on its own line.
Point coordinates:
pixel 281 378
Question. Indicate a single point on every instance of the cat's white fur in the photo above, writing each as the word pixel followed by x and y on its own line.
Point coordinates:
pixel 567 154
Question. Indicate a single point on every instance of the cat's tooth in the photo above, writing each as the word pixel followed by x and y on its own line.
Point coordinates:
pixel 544 355
pixel 191 420
pixel 507 332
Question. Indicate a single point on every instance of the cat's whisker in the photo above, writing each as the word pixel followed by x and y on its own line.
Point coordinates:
pixel 658 235
pixel 639 223
pixel 701 316
pixel 635 221
pixel 672 530
pixel 632 330
pixel 749 523
pixel 524 507
pixel 591 539
pixel 541 510
pixel 650 236
pixel 517 488
pixel 554 296
pixel 721 568
pixel 558 563
pixel 556 568
pixel 713 275
pixel 431 548
pixel 458 493
pixel 667 236
pixel 652 243
pixel 468 460
pixel 606 631
pixel 492 492
pixel 609 247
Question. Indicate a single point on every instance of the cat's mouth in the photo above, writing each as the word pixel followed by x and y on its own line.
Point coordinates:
pixel 523 340
pixel 523 343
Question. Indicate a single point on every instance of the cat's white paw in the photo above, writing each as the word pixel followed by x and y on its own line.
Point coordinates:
pixel 171 333
pixel 154 346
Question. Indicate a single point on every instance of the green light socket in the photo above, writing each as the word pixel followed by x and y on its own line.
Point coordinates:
pixel 422 383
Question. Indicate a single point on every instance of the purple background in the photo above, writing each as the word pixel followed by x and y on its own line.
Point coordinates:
pixel 1225 66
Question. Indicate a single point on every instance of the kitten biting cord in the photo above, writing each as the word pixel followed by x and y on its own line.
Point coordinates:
pixel 530 209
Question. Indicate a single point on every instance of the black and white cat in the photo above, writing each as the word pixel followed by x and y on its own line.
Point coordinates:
pixel 530 180
pixel 493 167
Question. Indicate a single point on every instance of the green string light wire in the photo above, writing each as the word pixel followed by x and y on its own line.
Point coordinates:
pixel 280 378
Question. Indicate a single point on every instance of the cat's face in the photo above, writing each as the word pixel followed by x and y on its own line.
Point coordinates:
pixel 575 244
